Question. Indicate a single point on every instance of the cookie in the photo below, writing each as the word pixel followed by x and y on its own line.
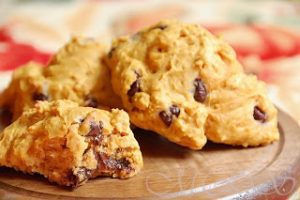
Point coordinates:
pixel 21 93
pixel 241 113
pixel 69 144
pixel 164 75
pixel 76 73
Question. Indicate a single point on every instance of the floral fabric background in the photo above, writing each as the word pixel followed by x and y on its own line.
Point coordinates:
pixel 265 34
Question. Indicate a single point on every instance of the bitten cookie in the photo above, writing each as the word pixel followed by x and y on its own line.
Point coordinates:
pixel 76 73
pixel 241 113
pixel 69 144
pixel 164 75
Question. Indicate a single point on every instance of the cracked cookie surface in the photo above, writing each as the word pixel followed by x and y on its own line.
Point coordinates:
pixel 69 144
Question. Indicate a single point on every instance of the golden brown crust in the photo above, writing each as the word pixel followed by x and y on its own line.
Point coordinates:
pixel 76 73
pixel 232 118
pixel 69 144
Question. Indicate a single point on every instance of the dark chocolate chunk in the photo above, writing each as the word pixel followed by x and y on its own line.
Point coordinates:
pixel 166 118
pixel 110 53
pixel 259 114
pixel 91 102
pixel 114 164
pixel 86 150
pixel 95 133
pixel 6 116
pixel 39 97
pixel 175 110
pixel 134 88
pixel 82 175
pixel 200 90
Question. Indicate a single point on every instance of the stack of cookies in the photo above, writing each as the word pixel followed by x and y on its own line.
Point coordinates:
pixel 70 119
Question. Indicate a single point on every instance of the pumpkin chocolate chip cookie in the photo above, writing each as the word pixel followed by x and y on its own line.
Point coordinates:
pixel 69 144
pixel 165 76
pixel 76 73
pixel 165 73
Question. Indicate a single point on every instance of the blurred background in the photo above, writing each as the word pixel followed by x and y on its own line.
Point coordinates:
pixel 265 34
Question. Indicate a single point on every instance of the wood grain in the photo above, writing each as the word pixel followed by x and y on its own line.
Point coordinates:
pixel 269 172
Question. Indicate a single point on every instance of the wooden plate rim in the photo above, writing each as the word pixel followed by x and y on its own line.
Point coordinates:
pixel 268 189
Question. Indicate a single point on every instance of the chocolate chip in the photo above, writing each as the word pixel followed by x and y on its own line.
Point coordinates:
pixel 200 90
pixel 73 179
pixel 95 133
pixel 166 118
pixel 117 164
pixel 259 114
pixel 96 129
pixel 110 53
pixel 39 97
pixel 86 150
pixel 81 175
pixel 6 116
pixel 91 102
pixel 114 164
pixel 134 88
pixel 175 110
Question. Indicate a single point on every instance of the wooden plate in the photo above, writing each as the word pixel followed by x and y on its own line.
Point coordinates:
pixel 170 171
